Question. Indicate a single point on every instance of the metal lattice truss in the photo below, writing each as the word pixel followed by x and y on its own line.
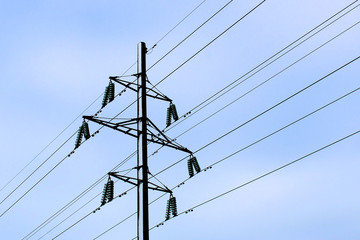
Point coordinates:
pixel 129 127
pixel 134 181
pixel 134 86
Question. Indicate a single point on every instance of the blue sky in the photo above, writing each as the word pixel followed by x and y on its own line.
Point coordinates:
pixel 56 57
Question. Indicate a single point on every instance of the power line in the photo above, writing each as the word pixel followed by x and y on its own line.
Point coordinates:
pixel 189 36
pixel 154 86
pixel 182 41
pixel 36 169
pixel 50 155
pixel 83 193
pixel 259 85
pixel 267 60
pixel 256 142
pixel 53 141
pixel 269 109
pixel 45 223
pixel 56 164
pixel 260 177
pixel 267 136
pixel 68 155
pixel 49 144
pixel 188 15
pixel 248 146
pixel 128 217
pixel 71 216
pixel 98 208
pixel 217 37
pixel 290 124
pixel 12 205
pixel 49 170
pixel 178 122
pixel 74 224
pixel 242 149
pixel 163 37
pixel 50 219
pixel 200 50
pixel 281 101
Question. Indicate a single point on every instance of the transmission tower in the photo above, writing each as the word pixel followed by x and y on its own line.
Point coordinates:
pixel 145 131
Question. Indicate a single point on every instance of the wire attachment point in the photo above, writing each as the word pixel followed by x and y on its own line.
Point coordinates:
pixel 83 131
pixel 171 208
pixel 108 193
pixel 109 94
pixel 193 164
pixel 171 114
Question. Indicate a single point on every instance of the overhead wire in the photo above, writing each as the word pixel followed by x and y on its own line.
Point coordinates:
pixel 272 76
pixel 290 124
pixel 281 129
pixel 262 83
pixel 93 211
pixel 181 21
pixel 240 19
pixel 123 75
pixel 269 109
pixel 53 140
pixel 206 45
pixel 299 44
pixel 75 132
pixel 160 81
pixel 246 147
pixel 74 224
pixel 98 208
pixel 68 155
pixel 36 170
pixel 267 60
pixel 194 126
pixel 188 36
pixel 260 177
pixel 212 41
pixel 46 222
pixel 42 178
pixel 242 149
pixel 135 62
pixel 252 89
pixel 77 198
pixel 210 166
pixel 51 155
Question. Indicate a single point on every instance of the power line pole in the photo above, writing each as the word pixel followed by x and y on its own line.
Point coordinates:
pixel 142 161
pixel 145 131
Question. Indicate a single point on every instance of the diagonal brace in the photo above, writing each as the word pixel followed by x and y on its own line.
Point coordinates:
pixel 134 181
pixel 124 126
pixel 162 139
pixel 155 135
pixel 150 92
